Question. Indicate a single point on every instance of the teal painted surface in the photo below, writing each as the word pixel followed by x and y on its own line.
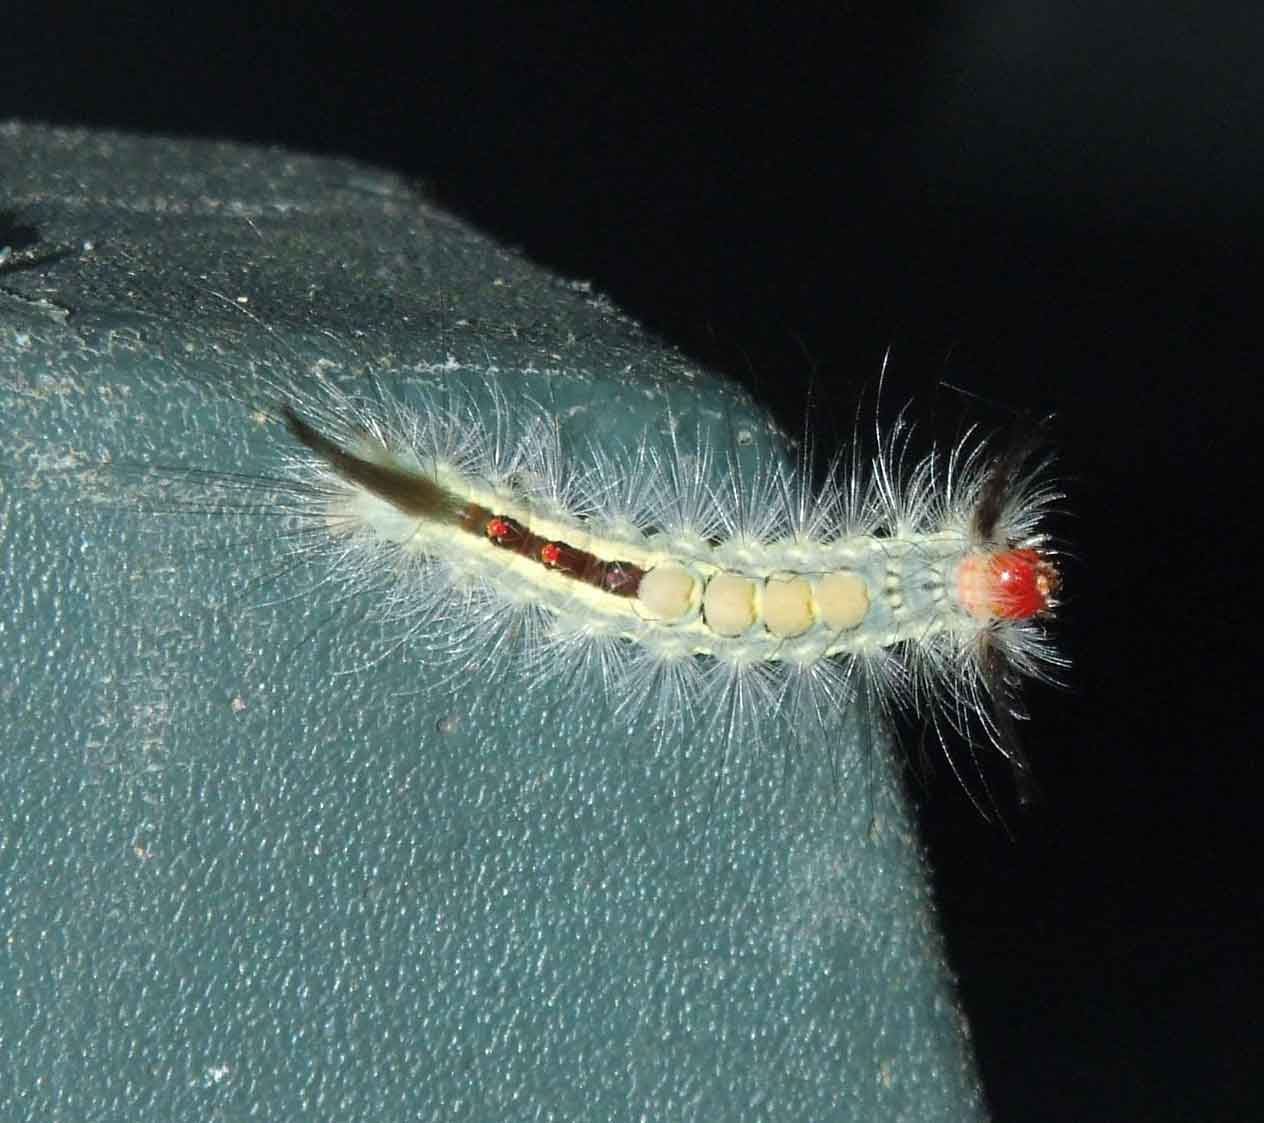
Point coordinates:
pixel 249 867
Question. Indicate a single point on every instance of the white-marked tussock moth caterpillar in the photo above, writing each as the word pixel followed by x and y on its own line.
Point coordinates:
pixel 689 587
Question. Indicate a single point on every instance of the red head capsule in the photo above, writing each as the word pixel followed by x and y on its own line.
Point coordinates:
pixel 1006 584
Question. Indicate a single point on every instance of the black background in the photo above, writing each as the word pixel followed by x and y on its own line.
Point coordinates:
pixel 1053 206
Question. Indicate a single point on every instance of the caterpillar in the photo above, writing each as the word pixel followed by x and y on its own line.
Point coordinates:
pixel 690 586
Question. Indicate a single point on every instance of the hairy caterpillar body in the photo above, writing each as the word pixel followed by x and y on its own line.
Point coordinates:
pixel 692 589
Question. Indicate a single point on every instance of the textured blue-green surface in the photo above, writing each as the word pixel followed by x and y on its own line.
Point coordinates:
pixel 249 868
